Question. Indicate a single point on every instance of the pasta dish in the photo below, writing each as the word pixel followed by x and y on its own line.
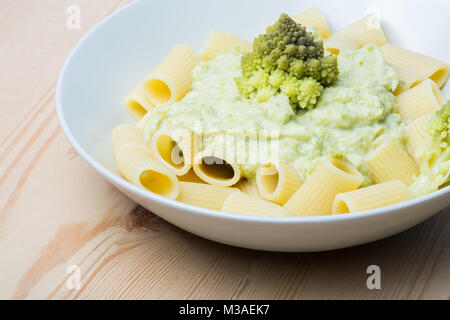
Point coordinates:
pixel 298 122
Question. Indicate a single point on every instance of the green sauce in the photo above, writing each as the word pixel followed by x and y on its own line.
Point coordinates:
pixel 349 116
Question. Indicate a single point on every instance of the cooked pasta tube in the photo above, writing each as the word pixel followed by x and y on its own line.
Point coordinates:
pixel 365 31
pixel 428 67
pixel 277 182
pixel 214 169
pixel 389 161
pixel 137 104
pixel 417 133
pixel 408 79
pixel 249 187
pixel 314 17
pixel 315 197
pixel 241 203
pixel 420 100
pixel 128 136
pixel 373 197
pixel 174 149
pixel 204 195
pixel 138 168
pixel 219 43
pixel 171 79
pixel 336 44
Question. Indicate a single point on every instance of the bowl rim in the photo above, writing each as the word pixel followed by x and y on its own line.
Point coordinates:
pixel 209 213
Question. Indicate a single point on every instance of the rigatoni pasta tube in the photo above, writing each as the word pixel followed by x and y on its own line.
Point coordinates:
pixel 137 104
pixel 214 169
pixel 138 168
pixel 171 79
pixel 219 43
pixel 428 67
pixel 204 195
pixel 373 197
pixel 420 100
pixel 408 79
pixel 336 44
pixel 128 136
pixel 249 187
pixel 174 149
pixel 239 202
pixel 314 17
pixel 277 182
pixel 418 133
pixel 365 31
pixel 315 197
pixel 389 161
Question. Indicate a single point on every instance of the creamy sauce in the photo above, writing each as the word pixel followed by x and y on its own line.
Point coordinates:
pixel 347 119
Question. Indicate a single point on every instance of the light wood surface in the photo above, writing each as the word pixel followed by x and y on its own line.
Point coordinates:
pixel 55 211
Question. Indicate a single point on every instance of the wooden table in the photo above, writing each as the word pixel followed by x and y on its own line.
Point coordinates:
pixel 55 211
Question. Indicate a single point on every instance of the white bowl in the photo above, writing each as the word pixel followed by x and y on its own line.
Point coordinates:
pixel 121 50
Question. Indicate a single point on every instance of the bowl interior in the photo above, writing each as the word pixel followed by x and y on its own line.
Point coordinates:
pixel 115 56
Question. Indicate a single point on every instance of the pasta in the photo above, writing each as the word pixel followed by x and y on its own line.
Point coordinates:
pixel 174 149
pixel 336 44
pixel 315 197
pixel 239 202
pixel 420 100
pixel 195 194
pixel 171 79
pixel 277 183
pixel 128 136
pixel 249 187
pixel 137 104
pixel 218 43
pixel 314 17
pixel 417 132
pixel 376 196
pixel 365 31
pixel 138 168
pixel 428 67
pixel 135 164
pixel 389 161
pixel 212 168
pixel 408 79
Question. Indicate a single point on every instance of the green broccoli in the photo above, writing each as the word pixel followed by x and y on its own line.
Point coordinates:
pixel 287 59
pixel 434 155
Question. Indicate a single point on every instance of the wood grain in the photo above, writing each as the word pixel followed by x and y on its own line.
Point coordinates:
pixel 55 211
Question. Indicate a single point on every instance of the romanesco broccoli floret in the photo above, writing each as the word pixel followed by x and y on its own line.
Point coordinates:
pixel 434 155
pixel 287 59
